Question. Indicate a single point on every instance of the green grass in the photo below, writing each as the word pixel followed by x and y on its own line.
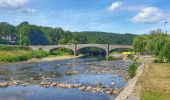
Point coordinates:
pixel 21 55
pixel 39 53
pixel 12 48
pixel 152 95
pixel 156 82
pixel 62 52
pixel 14 56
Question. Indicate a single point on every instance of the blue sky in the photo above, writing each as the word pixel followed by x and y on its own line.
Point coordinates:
pixel 120 16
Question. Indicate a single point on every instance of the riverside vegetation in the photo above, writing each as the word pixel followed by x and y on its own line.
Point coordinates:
pixel 156 43
pixel 15 54
pixel 155 81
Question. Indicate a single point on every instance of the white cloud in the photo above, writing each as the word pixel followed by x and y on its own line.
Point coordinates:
pixel 27 10
pixel 115 5
pixel 149 15
pixel 135 8
pixel 18 5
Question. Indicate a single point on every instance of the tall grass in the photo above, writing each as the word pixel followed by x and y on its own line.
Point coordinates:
pixel 14 56
pixel 13 48
pixel 16 53
pixel 39 53
pixel 62 52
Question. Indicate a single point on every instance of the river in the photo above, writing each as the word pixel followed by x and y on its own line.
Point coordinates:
pixel 89 72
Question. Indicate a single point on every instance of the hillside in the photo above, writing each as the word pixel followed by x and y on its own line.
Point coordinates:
pixel 40 35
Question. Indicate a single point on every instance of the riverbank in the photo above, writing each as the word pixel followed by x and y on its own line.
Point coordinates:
pixel 128 92
pixel 46 59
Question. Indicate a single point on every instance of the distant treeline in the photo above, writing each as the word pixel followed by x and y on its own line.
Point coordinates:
pixel 40 35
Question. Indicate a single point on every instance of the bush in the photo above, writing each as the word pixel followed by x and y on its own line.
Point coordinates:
pixel 62 52
pixel 111 58
pixel 132 70
pixel 131 56
pixel 12 48
pixel 158 61
pixel 39 53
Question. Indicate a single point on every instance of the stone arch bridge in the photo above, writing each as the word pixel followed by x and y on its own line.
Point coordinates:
pixel 76 47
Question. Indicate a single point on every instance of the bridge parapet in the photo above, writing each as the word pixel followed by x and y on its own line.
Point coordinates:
pixel 111 47
pixel 77 47
pixel 102 46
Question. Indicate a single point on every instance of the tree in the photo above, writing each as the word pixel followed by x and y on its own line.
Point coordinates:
pixel 31 35
pixel 7 33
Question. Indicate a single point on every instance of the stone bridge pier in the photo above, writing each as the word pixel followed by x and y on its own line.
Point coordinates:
pixel 77 47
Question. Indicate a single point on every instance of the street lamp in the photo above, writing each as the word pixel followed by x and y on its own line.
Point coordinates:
pixel 165 27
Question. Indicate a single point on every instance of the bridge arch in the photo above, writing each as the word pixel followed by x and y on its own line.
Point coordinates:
pixel 121 50
pixel 105 47
pixel 112 47
pixel 102 51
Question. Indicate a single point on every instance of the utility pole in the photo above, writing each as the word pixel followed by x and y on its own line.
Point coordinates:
pixel 166 27
pixel 20 38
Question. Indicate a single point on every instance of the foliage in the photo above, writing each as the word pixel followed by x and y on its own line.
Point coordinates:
pixel 31 34
pixel 39 35
pixel 62 52
pixel 112 58
pixel 12 48
pixel 156 43
pixel 14 56
pixel 131 56
pixel 132 70
pixel 39 53
pixel 7 33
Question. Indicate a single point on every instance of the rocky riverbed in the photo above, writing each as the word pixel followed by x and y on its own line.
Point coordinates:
pixel 83 76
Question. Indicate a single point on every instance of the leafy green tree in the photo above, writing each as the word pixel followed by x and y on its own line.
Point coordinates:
pixel 140 43
pixel 31 34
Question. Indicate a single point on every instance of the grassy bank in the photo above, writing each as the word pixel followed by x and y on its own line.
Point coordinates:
pixel 156 82
pixel 16 54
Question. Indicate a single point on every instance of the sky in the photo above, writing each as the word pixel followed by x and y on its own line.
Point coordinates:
pixel 118 16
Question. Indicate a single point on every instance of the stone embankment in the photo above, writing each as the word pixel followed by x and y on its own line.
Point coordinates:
pixel 125 93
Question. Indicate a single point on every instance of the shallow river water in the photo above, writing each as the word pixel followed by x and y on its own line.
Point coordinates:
pixel 90 72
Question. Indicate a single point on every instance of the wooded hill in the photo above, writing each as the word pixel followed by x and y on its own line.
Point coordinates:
pixel 40 35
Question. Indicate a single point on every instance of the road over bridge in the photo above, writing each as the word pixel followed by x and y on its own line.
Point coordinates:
pixel 76 47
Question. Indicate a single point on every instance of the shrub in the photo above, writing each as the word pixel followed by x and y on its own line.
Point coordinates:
pixel 158 61
pixel 39 53
pixel 62 52
pixel 111 58
pixel 132 70
pixel 13 48
pixel 130 56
